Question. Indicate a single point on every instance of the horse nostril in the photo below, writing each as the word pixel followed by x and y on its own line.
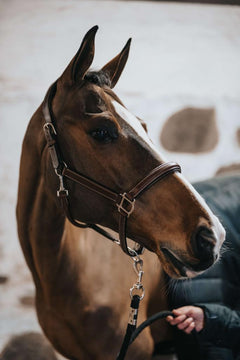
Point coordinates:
pixel 203 245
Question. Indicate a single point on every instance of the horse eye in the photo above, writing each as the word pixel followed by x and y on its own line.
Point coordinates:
pixel 102 135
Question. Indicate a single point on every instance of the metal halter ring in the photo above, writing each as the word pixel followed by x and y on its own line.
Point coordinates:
pixel 141 290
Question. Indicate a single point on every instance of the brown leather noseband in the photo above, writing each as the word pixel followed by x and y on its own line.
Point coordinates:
pixel 124 201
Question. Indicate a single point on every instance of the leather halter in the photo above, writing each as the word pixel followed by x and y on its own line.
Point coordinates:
pixel 124 201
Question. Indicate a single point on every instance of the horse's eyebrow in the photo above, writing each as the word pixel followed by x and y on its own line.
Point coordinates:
pixel 105 115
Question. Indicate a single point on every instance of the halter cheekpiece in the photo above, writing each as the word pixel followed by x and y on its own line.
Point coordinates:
pixel 124 201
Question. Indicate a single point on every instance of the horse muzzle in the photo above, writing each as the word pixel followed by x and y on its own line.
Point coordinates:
pixel 203 245
pixel 183 268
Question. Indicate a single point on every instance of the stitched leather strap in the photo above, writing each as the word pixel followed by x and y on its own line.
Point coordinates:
pixel 63 198
pixel 91 185
pixel 155 175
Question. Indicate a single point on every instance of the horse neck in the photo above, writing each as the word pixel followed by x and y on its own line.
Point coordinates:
pixel 40 221
pixel 107 272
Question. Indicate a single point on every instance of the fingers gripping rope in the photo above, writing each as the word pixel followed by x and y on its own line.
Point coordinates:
pixel 132 334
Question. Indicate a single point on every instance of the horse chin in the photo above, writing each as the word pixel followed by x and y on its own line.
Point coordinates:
pixel 173 272
pixel 174 266
pixel 179 274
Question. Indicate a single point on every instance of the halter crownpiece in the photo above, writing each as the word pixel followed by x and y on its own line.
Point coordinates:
pixel 124 201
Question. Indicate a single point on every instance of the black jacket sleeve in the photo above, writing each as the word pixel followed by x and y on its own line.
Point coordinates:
pixel 222 326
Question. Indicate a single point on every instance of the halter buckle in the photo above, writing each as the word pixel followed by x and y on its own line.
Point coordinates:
pixel 126 205
pixel 48 127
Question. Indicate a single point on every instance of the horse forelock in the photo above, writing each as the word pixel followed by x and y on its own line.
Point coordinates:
pixel 100 78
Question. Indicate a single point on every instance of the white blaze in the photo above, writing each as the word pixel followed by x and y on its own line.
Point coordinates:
pixel 135 124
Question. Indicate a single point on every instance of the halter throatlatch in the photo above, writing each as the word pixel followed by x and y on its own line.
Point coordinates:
pixel 124 201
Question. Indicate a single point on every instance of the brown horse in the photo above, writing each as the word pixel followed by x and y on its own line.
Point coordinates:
pixel 81 279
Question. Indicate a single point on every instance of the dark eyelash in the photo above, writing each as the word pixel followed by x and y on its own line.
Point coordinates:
pixel 104 135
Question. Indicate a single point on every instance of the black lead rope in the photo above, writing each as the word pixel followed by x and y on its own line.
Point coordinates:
pixel 132 332
pixel 132 323
pixel 148 322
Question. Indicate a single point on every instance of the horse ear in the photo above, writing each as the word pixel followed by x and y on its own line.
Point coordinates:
pixel 83 59
pixel 115 67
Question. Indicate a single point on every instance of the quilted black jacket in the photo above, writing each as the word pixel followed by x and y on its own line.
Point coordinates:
pixel 218 289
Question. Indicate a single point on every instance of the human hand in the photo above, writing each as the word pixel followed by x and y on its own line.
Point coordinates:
pixel 187 318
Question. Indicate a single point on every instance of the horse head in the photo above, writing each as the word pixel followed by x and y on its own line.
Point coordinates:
pixel 99 138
